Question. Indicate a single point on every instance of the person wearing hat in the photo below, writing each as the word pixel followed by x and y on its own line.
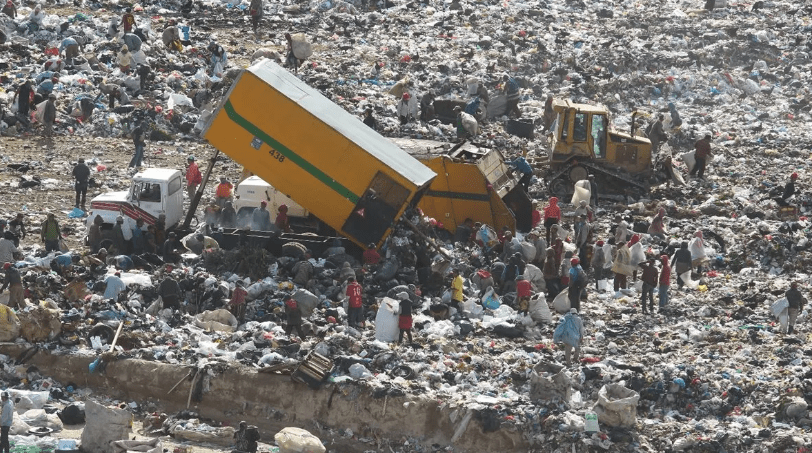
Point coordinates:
pixel 261 218
pixel 404 317
pixel 14 283
pixel 598 263
pixel 49 116
pixel 193 177
pixel 50 233
pixel 7 248
pixel 703 151
pixel 128 20
pixel 796 302
pixel 219 57
pixel 246 438
pixel 6 420
pixel 223 193
pixel 81 176
pixel 282 222
pixel 294 317
pixel 10 9
pixel 552 216
pixel 404 109
pixel 571 333
pixel 125 59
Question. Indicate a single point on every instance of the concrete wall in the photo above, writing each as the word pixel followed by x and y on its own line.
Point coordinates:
pixel 273 402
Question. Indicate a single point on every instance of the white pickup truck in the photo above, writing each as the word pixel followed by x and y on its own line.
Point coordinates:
pixel 154 191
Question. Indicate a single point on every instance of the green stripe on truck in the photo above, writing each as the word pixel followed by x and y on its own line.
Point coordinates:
pixel 289 154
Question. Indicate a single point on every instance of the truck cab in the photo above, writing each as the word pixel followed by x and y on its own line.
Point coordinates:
pixel 153 192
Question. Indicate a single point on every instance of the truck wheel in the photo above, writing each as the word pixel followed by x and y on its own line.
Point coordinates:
pixel 578 173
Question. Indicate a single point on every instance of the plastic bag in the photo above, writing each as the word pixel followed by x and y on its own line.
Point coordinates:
pixel 689 159
pixel 617 406
pixel 779 307
pixel 539 310
pixel 491 300
pixel 567 332
pixel 218 69
pixel 297 440
pixel 580 194
pixel 528 251
pixel 469 123
pixel 386 321
pixel 561 303
pixel 637 253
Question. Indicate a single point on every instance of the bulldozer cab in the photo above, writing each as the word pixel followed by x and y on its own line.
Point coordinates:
pixel 583 142
pixel 579 130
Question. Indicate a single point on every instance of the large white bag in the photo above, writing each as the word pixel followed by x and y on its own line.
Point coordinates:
pixel 298 440
pixel 539 310
pixel 580 194
pixel 386 321
pixel 561 303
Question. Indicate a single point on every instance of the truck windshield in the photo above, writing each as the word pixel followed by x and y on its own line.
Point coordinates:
pixel 147 192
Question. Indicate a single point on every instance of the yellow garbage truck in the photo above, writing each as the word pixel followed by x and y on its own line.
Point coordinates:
pixel 290 135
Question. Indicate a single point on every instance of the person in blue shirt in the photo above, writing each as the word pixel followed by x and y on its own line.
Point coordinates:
pixel 520 164
pixel 115 285
pixel 47 86
pixel 138 237
pixel 71 49
pixel 511 90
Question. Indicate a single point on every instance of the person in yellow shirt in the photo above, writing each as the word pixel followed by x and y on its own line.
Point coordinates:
pixel 456 289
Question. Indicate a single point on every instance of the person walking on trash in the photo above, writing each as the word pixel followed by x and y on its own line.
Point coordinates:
pixel 682 263
pixel 796 302
pixel 6 420
pixel 703 151
pixel 128 20
pixel 193 177
pixel 570 333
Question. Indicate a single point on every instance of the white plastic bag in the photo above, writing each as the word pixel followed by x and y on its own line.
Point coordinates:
pixel 580 194
pixel 689 159
pixel 637 253
pixel 779 307
pixel 539 310
pixel 561 303
pixel 297 440
pixel 617 405
pixel 386 321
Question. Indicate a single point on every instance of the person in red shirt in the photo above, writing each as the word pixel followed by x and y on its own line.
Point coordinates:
pixel 665 281
pixel 281 221
pixel 237 303
pixel 552 215
pixel 703 151
pixel 535 217
pixel 128 21
pixel 193 177
pixel 523 294
pixel 355 311
pixel 371 256
pixel 223 192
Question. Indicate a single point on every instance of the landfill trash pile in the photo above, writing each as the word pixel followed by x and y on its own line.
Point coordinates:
pixel 711 371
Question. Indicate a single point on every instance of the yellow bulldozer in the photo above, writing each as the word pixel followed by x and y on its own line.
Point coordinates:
pixel 583 142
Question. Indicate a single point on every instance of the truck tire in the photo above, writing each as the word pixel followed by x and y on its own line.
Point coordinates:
pixel 558 188
pixel 294 250
pixel 104 332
